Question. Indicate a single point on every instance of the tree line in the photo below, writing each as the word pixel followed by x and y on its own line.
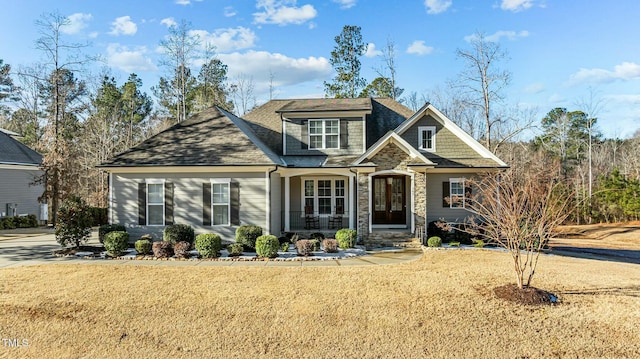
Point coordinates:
pixel 78 120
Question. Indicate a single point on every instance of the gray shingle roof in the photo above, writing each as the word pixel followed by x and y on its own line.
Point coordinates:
pixel 210 138
pixel 14 152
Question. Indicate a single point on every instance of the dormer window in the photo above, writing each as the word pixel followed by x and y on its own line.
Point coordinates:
pixel 427 138
pixel 324 134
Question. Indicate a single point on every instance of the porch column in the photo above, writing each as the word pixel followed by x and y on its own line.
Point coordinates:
pixel 287 204
pixel 352 189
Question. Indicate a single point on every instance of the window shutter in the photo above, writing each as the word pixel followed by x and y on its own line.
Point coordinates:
pixel 168 203
pixel 235 203
pixel 142 204
pixel 304 135
pixel 206 204
pixel 344 134
pixel 445 194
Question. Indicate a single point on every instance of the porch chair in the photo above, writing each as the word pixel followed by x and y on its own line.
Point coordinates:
pixel 310 219
pixel 335 221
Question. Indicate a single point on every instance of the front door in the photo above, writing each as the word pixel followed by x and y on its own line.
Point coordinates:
pixel 389 200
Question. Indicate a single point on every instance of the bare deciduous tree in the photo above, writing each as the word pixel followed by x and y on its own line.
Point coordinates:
pixel 519 209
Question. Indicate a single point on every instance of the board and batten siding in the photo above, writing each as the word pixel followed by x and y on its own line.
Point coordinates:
pixel 188 201
pixel 16 187
pixel 295 133
pixel 435 208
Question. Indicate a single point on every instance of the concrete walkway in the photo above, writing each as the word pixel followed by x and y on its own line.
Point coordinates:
pixel 22 248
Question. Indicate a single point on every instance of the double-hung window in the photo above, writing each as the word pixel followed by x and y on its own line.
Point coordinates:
pixel 324 134
pixel 324 195
pixel 427 138
pixel 155 202
pixel 456 193
pixel 220 206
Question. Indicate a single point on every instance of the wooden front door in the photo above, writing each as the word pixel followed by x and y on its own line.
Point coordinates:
pixel 389 200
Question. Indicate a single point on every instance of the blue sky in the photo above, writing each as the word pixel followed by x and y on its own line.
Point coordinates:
pixel 559 50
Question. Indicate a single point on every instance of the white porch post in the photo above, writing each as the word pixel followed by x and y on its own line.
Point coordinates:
pixel 352 213
pixel 287 203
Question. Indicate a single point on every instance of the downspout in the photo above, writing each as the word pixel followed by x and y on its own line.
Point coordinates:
pixel 268 180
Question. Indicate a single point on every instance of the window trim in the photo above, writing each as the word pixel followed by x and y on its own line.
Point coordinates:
pixel 422 129
pixel 155 181
pixel 462 197
pixel 316 202
pixel 226 181
pixel 324 133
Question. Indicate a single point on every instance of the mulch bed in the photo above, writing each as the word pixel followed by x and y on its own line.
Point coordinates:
pixel 73 251
pixel 526 295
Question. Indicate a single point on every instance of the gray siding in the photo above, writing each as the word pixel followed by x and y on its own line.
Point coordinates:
pixel 435 210
pixel 293 129
pixel 187 201
pixel 448 145
pixel 15 188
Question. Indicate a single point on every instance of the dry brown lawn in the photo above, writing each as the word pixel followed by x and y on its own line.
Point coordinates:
pixel 441 305
pixel 603 235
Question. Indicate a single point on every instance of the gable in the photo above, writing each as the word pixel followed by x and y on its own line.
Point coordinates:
pixel 448 145
pixel 13 151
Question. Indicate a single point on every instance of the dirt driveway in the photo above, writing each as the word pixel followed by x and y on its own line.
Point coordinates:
pixel 618 242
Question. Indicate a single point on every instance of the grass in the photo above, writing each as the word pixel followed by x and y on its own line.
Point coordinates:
pixel 441 305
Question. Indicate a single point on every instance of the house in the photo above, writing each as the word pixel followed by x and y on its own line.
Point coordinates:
pixel 19 168
pixel 369 164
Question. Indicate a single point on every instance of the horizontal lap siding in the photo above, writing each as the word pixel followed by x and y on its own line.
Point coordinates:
pixel 293 128
pixel 15 187
pixel 435 210
pixel 187 201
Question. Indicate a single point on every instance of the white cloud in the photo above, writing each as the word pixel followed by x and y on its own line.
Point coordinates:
pixel 93 34
pixel 286 71
pixel 534 88
pixel 123 26
pixel 229 11
pixel 437 6
pixel 624 71
pixel 371 50
pixel 185 2
pixel 283 12
pixel 129 60
pixel 168 22
pixel 76 23
pixel 346 4
pixel 624 99
pixel 498 35
pixel 419 48
pixel 516 5
pixel 557 99
pixel 226 40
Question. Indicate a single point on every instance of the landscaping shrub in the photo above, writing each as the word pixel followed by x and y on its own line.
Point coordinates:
pixel 179 233
pixel 247 235
pixel 116 242
pixel 294 238
pixel 454 244
pixel 346 238
pixel 284 247
pixel 330 245
pixel 305 247
pixel 434 241
pixel 283 240
pixel 437 229
pixel 74 222
pixel 181 249
pixel 235 249
pixel 478 243
pixel 208 245
pixel 317 235
pixel 7 223
pixel 162 249
pixel 267 246
pixel 316 244
pixel 143 246
pixel 106 228
pixel 98 216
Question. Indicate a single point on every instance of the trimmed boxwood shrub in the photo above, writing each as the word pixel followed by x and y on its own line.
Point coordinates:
pixel 346 238
pixel 267 246
pixel 106 228
pixel 235 249
pixel 208 245
pixel 143 246
pixel 434 241
pixel 179 233
pixel 181 249
pixel 162 249
pixel 330 245
pixel 305 247
pixel 247 235
pixel 437 229
pixel 116 242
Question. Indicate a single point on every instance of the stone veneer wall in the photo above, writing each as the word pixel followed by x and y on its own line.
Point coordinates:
pixel 391 157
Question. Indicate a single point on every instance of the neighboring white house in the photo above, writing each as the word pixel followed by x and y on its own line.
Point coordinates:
pixel 19 168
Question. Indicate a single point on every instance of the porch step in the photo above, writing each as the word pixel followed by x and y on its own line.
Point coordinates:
pixel 392 239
